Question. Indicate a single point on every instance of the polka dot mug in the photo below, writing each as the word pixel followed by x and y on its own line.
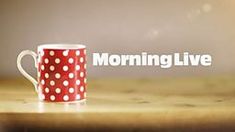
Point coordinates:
pixel 61 70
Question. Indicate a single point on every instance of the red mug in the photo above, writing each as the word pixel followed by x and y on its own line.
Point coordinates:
pixel 61 70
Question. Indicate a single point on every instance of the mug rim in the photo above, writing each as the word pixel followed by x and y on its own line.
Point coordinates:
pixel 61 46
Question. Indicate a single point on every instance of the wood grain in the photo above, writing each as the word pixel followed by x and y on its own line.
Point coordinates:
pixel 164 104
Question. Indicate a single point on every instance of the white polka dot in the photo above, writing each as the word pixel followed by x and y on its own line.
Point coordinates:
pixel 65 68
pixel 77 67
pixel 84 66
pixel 65 53
pixel 47 90
pixel 71 90
pixel 81 59
pixel 52 97
pixel 66 83
pixel 52 68
pixel 78 97
pixel 81 74
pixel 70 60
pixel 46 61
pixel 77 52
pixel 81 88
pixel 78 82
pixel 85 80
pixel 66 97
pixel 52 83
pixel 46 75
pixel 71 75
pixel 84 52
pixel 57 75
pixel 57 60
pixel 42 67
pixel 52 53
pixel 42 82
pixel 58 90
pixel 84 94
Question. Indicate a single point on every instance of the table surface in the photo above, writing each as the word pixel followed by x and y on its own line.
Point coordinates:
pixel 186 103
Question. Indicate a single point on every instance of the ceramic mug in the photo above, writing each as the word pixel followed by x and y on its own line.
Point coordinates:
pixel 61 70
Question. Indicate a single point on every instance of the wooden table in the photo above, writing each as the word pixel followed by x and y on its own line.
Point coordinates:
pixel 164 104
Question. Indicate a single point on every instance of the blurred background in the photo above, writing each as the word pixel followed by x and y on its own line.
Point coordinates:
pixel 121 27
pixel 205 95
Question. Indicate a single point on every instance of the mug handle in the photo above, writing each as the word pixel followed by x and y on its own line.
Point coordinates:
pixel 19 58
